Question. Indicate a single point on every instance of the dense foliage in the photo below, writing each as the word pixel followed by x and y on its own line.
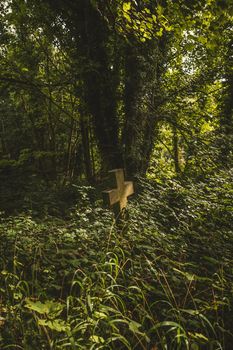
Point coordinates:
pixel 91 85
pixel 163 281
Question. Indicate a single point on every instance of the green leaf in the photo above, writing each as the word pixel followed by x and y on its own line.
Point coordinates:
pixel 147 11
pixel 37 306
pixel 160 10
pixel 202 40
pixel 50 307
pixel 189 47
pixel 159 32
pixel 167 324
pixel 199 336
pixel 96 339
pixel 100 315
pixel 127 17
pixel 190 277
pixel 56 325
pixel 134 327
pixel 126 6
pixel 149 25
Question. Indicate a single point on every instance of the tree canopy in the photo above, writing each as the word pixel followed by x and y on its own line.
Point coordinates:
pixel 93 85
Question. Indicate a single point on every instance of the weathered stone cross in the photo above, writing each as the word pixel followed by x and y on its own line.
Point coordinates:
pixel 119 194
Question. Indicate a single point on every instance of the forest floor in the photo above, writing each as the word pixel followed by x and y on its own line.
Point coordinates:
pixel 72 279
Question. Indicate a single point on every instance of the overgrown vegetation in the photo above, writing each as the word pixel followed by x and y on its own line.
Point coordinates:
pixel 92 85
pixel 163 281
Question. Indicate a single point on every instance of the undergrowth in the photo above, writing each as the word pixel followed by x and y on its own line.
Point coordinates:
pixel 162 280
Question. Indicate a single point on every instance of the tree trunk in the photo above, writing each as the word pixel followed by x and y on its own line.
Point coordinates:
pixel 100 85
pixel 226 118
pixel 86 148
pixel 176 150
pixel 140 93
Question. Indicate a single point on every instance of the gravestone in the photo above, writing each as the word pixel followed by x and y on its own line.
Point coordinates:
pixel 116 198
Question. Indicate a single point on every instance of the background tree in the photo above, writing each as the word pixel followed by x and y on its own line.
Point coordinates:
pixel 98 85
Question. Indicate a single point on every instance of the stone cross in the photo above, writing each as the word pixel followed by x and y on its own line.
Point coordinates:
pixel 119 194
